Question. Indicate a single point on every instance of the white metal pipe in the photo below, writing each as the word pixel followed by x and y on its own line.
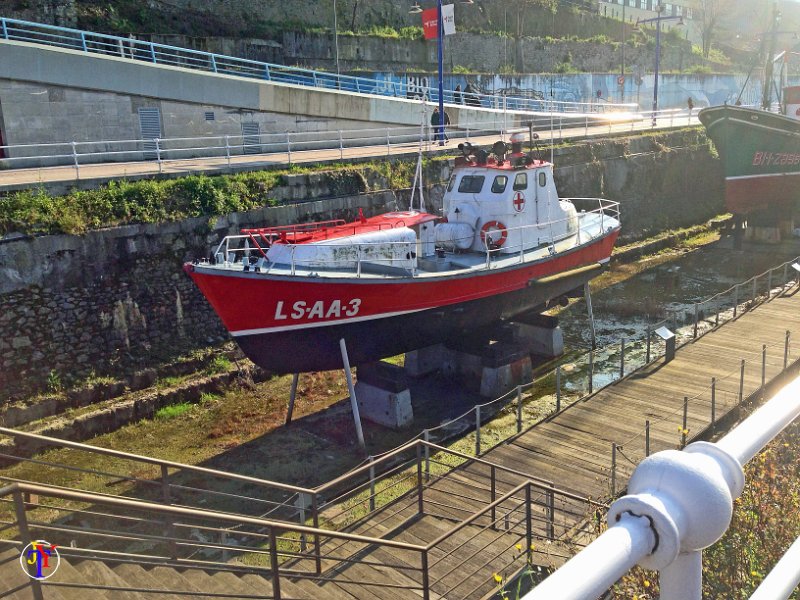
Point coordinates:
pixel 755 432
pixel 683 579
pixel 784 577
pixel 600 564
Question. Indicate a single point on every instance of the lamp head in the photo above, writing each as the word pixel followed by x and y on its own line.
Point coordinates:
pixel 415 8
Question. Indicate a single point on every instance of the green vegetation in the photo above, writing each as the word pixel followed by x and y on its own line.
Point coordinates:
pixel 153 200
pixel 173 410
pixel 220 364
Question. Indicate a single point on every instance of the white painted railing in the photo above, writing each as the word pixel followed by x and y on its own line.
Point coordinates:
pixel 285 147
pixel 678 503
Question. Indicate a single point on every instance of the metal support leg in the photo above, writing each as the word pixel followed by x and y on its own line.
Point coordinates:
pixel 353 402
pixel 683 578
pixel 587 294
pixel 292 396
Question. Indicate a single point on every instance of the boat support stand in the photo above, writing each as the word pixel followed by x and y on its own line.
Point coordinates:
pixel 587 294
pixel 353 402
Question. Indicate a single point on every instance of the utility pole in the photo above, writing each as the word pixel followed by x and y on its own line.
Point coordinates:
pixel 622 62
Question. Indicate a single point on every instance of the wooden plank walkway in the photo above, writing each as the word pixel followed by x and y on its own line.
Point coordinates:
pixel 573 449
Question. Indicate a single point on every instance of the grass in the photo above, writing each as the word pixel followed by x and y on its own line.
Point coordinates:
pixel 172 411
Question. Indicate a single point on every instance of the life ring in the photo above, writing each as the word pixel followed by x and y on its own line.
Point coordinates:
pixel 491 226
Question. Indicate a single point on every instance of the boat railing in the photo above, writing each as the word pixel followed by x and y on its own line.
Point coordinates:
pixel 250 249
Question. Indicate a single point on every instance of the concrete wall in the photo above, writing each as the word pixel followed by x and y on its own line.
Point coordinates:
pixel 117 299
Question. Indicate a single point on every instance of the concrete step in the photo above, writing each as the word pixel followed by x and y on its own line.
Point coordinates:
pixel 67 573
pixel 96 572
pixel 136 576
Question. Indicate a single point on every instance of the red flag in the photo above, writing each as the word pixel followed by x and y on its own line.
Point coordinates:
pixel 430 23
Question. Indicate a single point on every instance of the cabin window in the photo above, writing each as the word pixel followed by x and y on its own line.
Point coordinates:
pixel 521 181
pixel 452 183
pixel 471 184
pixel 542 179
pixel 499 185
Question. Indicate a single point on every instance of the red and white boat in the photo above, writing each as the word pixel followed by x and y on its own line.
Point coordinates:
pixel 404 280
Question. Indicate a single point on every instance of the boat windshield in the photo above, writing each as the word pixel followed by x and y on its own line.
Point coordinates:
pixel 471 184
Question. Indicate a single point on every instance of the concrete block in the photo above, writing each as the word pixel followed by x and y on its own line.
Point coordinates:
pixel 384 407
pixel 496 381
pixel 539 334
pixel 424 361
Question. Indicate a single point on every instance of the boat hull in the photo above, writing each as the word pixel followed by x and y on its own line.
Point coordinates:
pixel 289 324
pixel 760 152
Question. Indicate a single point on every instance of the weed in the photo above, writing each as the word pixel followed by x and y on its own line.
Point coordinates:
pixel 219 364
pixel 54 383
pixel 173 410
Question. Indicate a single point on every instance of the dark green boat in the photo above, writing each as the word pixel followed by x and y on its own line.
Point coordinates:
pixel 760 151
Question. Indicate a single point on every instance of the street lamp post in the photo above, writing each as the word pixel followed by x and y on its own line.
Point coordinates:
pixel 657 20
pixel 440 41
pixel 336 41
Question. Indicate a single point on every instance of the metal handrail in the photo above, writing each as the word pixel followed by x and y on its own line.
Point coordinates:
pixel 161 54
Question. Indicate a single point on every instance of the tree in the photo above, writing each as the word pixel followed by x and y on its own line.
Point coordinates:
pixel 711 13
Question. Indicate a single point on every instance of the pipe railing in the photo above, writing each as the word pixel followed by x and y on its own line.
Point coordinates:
pixel 288 146
pixel 684 500
pixel 172 56
pixel 235 251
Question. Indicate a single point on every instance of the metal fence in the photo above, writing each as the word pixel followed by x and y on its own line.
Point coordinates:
pixel 160 54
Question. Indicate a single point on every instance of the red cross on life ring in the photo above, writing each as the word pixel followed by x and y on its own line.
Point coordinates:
pixel 490 228
pixel 519 202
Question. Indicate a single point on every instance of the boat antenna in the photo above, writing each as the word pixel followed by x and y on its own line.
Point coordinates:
pixel 418 170
pixel 768 83
pixel 533 142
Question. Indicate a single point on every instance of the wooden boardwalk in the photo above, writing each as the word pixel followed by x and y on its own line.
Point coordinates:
pixel 573 449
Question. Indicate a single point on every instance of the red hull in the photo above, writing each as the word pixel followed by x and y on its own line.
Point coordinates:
pixel 755 193
pixel 287 323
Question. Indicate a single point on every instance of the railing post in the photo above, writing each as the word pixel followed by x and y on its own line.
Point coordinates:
pixel 274 566
pixel 613 469
pixel 519 408
pixel 755 288
pixel 426 435
pixel 713 405
pixel 315 520
pixel 684 421
pixel 75 160
pixel 419 481
pixel 622 358
pixel 647 355
pixel 716 318
pixel 341 145
pixel 478 430
pixel 388 143
pixel 165 495
pixel 735 300
pixel 153 52
pixel 550 500
pixel 591 371
pixel 25 538
pixel 371 483
pixel 426 593
pixel 158 155
pixel 493 494
pixel 558 388
pixel 267 74
pixel 696 316
pixel 289 145
pixel 228 149
pixel 763 367
pixel 4 28
pixel 741 384
pixel 83 39
pixel 786 350
pixel 528 523
pixel 769 284
pixel 647 438
pixel 213 64
pixel 785 273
